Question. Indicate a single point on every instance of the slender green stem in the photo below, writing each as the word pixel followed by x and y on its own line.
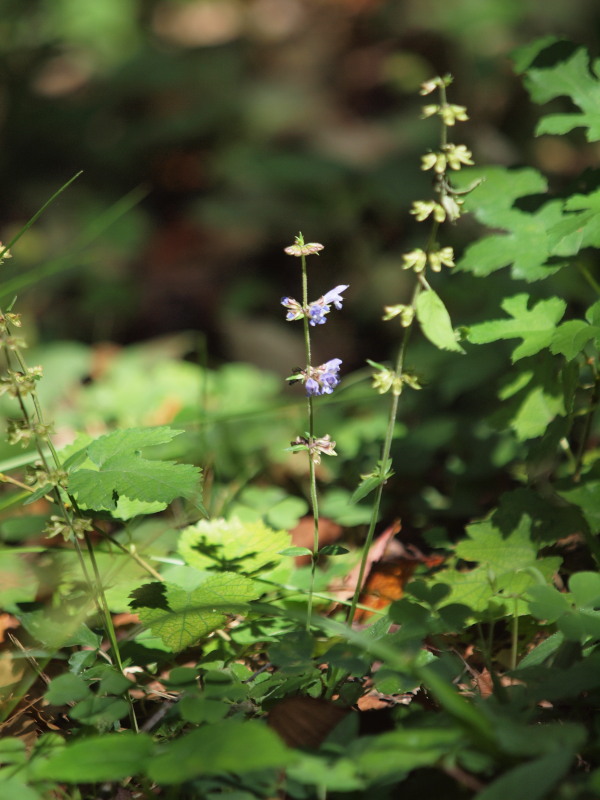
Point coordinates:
pixel 514 650
pixel 385 455
pixel 314 500
pixel 589 277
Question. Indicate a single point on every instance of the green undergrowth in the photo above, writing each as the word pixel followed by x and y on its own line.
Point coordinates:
pixel 168 630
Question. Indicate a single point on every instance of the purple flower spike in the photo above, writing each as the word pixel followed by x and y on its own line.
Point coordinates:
pixel 323 379
pixel 318 310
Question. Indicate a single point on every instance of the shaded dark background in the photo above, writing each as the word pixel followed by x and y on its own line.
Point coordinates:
pixel 241 122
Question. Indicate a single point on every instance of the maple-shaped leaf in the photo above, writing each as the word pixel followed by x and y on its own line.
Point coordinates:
pixel 536 325
pixel 575 78
pixel 523 243
pixel 578 229
pixel 232 545
pixel 181 616
pixel 115 466
pixel 507 567
pixel 535 396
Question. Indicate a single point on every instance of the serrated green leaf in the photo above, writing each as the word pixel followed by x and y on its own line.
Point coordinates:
pixel 233 545
pixel 182 617
pixel 570 338
pixel 578 229
pixel 435 322
pixel 536 325
pixel 524 245
pixel 571 78
pixel 122 470
pixel 98 758
pixel 503 573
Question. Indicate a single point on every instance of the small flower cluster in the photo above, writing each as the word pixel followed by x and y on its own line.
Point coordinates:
pixel 23 431
pixel 418 259
pixel 447 205
pixel 17 383
pixel 317 310
pixel 315 447
pixel 4 253
pixel 77 526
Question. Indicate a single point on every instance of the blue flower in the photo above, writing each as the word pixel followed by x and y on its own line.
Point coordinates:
pixel 323 379
pixel 295 310
pixel 318 310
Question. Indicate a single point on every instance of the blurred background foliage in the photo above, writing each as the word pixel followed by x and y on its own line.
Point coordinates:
pixel 209 132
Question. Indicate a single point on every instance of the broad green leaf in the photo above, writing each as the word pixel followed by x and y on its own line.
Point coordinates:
pixel 547 603
pixel 122 470
pixel 579 229
pixel 99 758
pixel 435 322
pixel 524 243
pixel 67 688
pixel 232 545
pixel 182 617
pixel 342 775
pixel 586 495
pixel 406 749
pixel 571 78
pixel 585 588
pixel 12 788
pixel 504 570
pixel 536 325
pixel 12 751
pixel 530 781
pixel 570 338
pixel 525 55
pixel 101 712
pixel 273 505
pixel 229 746
pixel 536 397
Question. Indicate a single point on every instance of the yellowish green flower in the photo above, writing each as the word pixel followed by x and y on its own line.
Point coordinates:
pixel 416 260
pixel 439 258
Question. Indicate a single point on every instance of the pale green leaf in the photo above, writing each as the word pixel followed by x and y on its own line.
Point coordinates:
pixel 536 325
pixel 523 243
pixel 98 758
pixel 570 338
pixel 233 545
pixel 230 746
pixel 181 617
pixel 571 78
pixel 122 470
pixel 435 322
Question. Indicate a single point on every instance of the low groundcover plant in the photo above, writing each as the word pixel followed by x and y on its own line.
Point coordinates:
pixel 161 638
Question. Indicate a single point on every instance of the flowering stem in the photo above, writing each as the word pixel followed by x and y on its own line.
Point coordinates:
pixel 385 455
pixel 67 514
pixel 314 500
pixel 445 207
